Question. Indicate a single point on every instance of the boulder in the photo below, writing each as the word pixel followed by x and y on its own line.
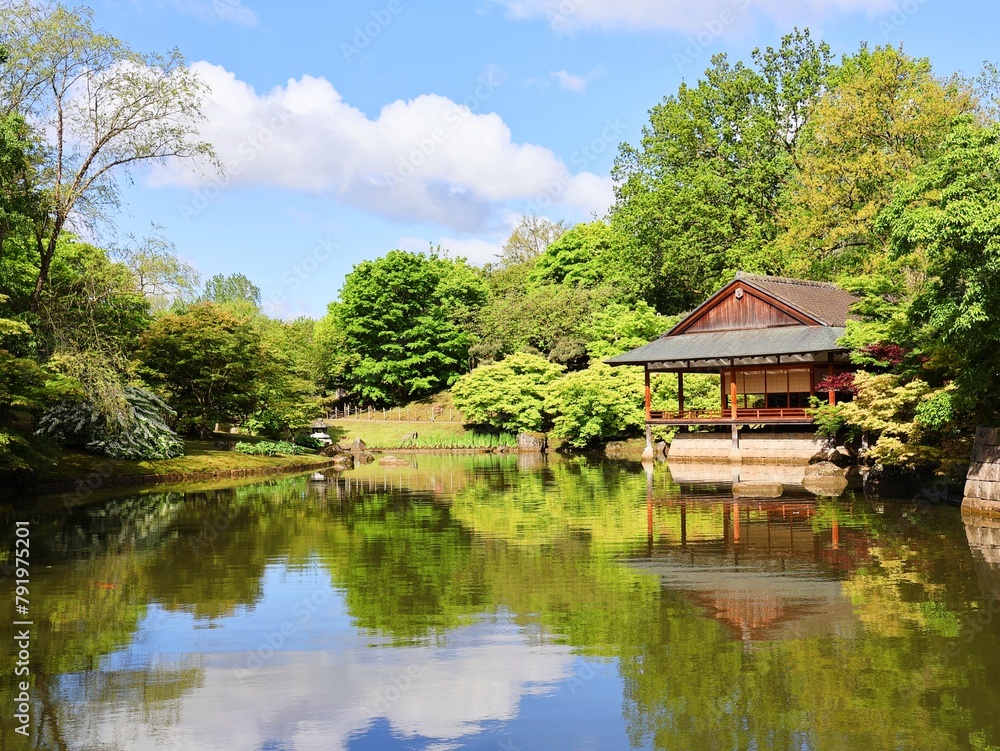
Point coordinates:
pixel 757 489
pixel 825 485
pixel 661 448
pixel 825 469
pixel 841 456
pixel 343 461
pixel 365 458
pixel 331 449
pixel 535 442
pixel 393 461
pixel 358 446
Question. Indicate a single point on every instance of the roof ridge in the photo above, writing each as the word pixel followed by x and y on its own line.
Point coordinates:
pixel 745 276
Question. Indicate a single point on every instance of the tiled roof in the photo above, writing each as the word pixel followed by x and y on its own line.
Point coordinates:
pixel 712 345
pixel 825 302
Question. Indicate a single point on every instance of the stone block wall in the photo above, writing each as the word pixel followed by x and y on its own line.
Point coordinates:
pixel 982 485
pixel 755 448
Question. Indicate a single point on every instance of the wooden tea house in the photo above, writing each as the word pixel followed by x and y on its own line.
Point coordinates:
pixel 772 341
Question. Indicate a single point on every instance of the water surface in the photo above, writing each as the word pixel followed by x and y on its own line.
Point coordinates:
pixel 472 602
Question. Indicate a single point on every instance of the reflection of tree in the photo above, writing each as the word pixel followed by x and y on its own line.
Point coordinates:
pixel 546 545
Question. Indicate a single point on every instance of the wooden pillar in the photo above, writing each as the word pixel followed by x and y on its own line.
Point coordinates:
pixel 733 396
pixel 736 523
pixel 680 394
pixel 649 395
pixel 831 393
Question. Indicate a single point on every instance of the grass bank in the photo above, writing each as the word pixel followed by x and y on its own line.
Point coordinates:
pixel 202 460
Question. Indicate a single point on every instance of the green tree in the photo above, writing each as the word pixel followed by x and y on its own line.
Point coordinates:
pixel 582 257
pixel 882 115
pixel 699 197
pixel 508 395
pixel 107 108
pixel 550 320
pixel 405 319
pixel 596 405
pixel 231 289
pixel 617 328
pixel 945 224
pixel 207 360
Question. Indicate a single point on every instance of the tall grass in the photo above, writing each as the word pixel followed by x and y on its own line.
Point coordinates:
pixel 467 440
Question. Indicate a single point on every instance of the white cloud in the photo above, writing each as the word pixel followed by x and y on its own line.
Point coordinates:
pixel 428 159
pixel 214 11
pixel 570 82
pixel 677 15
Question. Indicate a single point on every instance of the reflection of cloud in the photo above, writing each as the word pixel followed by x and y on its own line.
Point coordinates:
pixel 320 699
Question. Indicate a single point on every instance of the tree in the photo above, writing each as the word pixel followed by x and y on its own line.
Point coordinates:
pixel 699 197
pixel 160 276
pixel 231 289
pixel 617 328
pixel 596 405
pixel 207 360
pixel 883 114
pixel 508 395
pixel 579 258
pixel 550 319
pixel 529 240
pixel 405 318
pixel 945 223
pixel 106 107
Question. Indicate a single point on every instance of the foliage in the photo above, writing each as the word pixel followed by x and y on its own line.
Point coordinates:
pixel 597 404
pixel 529 240
pixel 578 258
pixel 508 395
pixel 107 107
pixel 139 431
pixel 404 319
pixel 616 328
pixel 206 359
pixel 308 442
pixel 882 115
pixel 267 448
pixel 946 222
pixel 902 414
pixel 699 198
pixel 549 320
pixel 231 288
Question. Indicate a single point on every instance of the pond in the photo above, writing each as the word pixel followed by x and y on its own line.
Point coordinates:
pixel 489 602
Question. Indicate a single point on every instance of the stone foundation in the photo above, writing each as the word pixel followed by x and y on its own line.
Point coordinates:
pixel 982 485
pixel 754 448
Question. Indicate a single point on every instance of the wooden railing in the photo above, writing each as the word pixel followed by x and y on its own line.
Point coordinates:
pixel 743 414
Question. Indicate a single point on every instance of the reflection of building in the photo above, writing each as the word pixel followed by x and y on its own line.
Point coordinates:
pixel 765 570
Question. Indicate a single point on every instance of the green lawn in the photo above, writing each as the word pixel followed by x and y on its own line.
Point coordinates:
pixel 389 433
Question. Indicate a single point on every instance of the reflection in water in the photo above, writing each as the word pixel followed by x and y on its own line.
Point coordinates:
pixel 487 602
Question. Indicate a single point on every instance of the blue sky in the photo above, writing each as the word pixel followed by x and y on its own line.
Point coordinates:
pixel 349 129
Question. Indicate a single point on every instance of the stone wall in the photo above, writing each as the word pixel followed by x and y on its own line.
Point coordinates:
pixel 754 448
pixel 982 485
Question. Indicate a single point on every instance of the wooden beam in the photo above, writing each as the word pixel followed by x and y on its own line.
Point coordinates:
pixel 680 392
pixel 649 395
pixel 831 393
pixel 732 394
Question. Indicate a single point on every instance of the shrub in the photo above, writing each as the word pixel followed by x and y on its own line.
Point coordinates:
pixel 267 448
pixel 137 430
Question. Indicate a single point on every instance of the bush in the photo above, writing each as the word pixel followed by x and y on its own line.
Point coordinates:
pixel 308 442
pixel 138 429
pixel 508 395
pixel 596 405
pixel 267 448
